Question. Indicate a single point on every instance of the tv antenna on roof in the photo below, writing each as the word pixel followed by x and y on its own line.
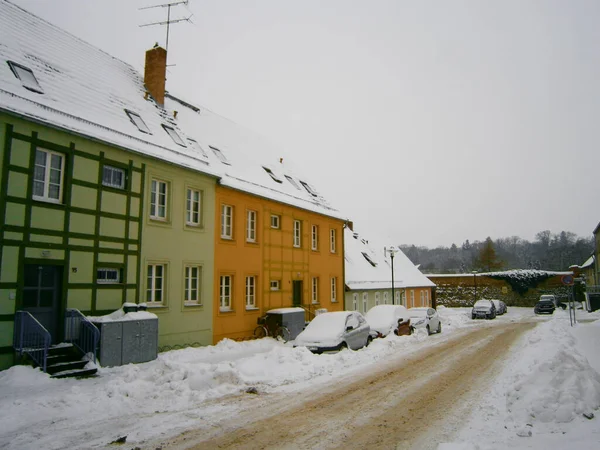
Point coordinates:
pixel 169 21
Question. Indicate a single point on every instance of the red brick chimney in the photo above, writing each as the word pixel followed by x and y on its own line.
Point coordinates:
pixel 155 73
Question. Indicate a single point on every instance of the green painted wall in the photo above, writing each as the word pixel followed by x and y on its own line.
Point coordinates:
pixel 98 226
pixel 176 245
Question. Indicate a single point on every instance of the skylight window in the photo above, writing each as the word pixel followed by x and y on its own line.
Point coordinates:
pixel 270 172
pixel 174 135
pixel 26 76
pixel 293 182
pixel 138 122
pixel 368 258
pixel 195 146
pixel 219 155
pixel 308 188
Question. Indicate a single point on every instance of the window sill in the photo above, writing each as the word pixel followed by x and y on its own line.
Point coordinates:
pixel 47 200
pixel 192 305
pixel 225 311
pixel 252 309
pixel 157 307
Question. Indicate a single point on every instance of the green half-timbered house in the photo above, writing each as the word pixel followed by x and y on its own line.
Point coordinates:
pixel 103 198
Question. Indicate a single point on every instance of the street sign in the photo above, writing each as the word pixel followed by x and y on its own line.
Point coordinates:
pixel 567 280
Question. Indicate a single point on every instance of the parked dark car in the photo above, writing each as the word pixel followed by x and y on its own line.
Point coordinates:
pixel 483 309
pixel 544 306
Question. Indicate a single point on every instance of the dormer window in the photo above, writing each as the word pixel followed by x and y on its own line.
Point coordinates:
pixel 308 188
pixel 26 76
pixel 174 135
pixel 293 182
pixel 219 154
pixel 195 146
pixel 138 122
pixel 270 172
pixel 368 258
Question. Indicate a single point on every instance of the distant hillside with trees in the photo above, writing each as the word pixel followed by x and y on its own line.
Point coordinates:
pixel 547 252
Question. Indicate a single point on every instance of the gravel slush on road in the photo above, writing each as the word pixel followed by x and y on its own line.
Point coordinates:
pixel 398 406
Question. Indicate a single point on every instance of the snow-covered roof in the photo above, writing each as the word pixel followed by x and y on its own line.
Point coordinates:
pixel 81 89
pixel 588 263
pixel 368 269
pixel 512 272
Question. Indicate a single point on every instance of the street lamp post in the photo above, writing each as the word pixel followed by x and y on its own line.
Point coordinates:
pixel 475 283
pixel 392 251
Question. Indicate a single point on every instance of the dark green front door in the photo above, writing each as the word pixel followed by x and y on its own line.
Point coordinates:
pixel 41 296
pixel 297 294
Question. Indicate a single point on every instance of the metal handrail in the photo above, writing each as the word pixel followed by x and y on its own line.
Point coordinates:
pixel 80 332
pixel 32 338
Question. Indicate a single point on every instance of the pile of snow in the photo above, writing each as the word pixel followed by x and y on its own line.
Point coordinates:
pixel 554 382
pixel 542 396
pixel 453 318
pixel 120 315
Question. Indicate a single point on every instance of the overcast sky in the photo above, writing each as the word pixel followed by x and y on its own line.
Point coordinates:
pixel 425 122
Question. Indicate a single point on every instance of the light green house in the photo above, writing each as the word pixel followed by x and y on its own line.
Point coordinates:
pixel 103 198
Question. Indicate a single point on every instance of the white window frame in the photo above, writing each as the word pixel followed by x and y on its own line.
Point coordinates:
pixel 412 298
pixel 47 171
pixel 314 238
pixel 297 233
pixel 315 290
pixel 226 221
pixel 155 198
pixel 108 270
pixel 152 276
pixel 112 170
pixel 225 292
pixel 193 207
pixel 275 221
pixel 426 298
pixel 251 292
pixel 333 289
pixel 398 299
pixel 422 298
pixel 365 301
pixel 189 288
pixel 251 221
pixel 332 240
pixel 275 285
pixel 377 298
pixel 385 298
pixel 355 302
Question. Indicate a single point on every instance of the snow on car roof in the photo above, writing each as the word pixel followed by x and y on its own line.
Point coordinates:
pixel 382 317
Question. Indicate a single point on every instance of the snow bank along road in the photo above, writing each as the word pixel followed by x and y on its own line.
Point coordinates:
pixel 415 402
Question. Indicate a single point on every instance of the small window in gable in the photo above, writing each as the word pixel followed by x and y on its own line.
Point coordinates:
pixel 174 135
pixel 293 182
pixel 219 154
pixel 26 76
pixel 270 172
pixel 113 177
pixel 195 146
pixel 368 258
pixel 308 188
pixel 138 122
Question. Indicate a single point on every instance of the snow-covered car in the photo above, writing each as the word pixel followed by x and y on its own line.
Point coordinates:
pixel 386 319
pixel 500 307
pixel 483 309
pixel 545 305
pixel 333 331
pixel 427 318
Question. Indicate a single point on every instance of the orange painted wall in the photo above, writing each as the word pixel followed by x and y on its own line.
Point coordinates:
pixel 418 302
pixel 272 257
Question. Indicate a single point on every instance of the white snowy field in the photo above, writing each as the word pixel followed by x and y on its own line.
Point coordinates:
pixel 547 383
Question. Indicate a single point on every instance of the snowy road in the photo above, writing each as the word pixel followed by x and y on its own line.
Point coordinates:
pixel 401 404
